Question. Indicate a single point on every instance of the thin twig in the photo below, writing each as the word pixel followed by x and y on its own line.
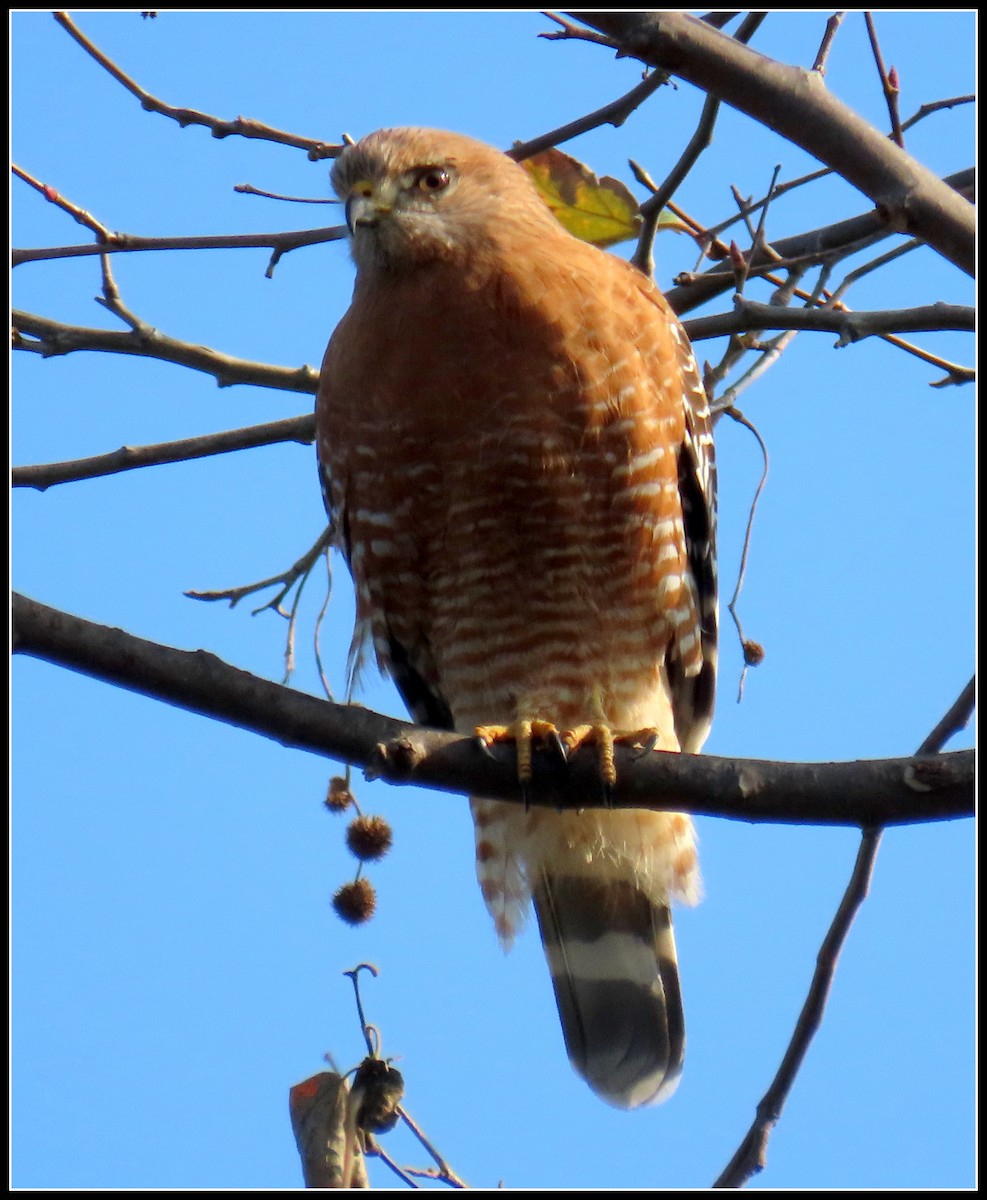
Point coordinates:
pixel 248 189
pixel 317 631
pixel 240 126
pixel 569 31
pixel 753 652
pixel 759 243
pixel 49 338
pixel 280 243
pixel 889 83
pixel 936 106
pixel 751 1155
pixel 955 720
pixel 643 257
pixel 770 353
pixel 132 458
pixel 287 579
pixel 834 22
pixel 882 260
pixel 791 184
pixel 374 1149
pixel 364 1026
pixel 55 197
pixel 615 113
pixel 445 1172
pixel 851 325
pixel 651 209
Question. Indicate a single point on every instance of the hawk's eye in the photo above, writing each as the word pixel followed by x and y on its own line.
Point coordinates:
pixel 433 180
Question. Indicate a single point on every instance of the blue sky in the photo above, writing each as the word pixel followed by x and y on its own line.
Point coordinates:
pixel 176 963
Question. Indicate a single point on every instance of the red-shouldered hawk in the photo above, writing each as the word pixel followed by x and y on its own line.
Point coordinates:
pixel 517 451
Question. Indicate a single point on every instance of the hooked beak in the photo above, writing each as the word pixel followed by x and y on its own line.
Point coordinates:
pixel 364 206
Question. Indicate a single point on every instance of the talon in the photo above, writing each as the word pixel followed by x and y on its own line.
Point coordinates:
pixel 519 733
pixel 603 737
pixel 642 740
pixel 484 742
pixel 522 733
pixel 558 745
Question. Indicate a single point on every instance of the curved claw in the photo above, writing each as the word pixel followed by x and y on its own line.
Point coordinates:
pixel 484 742
pixel 643 740
pixel 523 733
pixel 603 738
pixel 554 739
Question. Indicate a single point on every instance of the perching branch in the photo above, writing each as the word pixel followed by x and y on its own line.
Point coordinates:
pixel 890 791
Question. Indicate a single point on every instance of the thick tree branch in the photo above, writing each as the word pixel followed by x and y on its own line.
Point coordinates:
pixel 890 791
pixel 796 104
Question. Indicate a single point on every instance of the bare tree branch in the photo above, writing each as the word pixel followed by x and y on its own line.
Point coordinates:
pixel 240 126
pixel 128 243
pixel 53 196
pixel 751 1156
pixel 615 113
pixel 42 335
pixel 795 103
pixel 822 54
pixel 131 458
pixel 890 791
pixel 852 326
pixel 889 82
pixel 651 209
pixel 718 249
pixel 839 239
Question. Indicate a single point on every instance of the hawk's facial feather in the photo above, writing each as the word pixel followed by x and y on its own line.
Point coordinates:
pixel 413 198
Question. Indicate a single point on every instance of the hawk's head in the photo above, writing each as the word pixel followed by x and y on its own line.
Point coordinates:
pixel 419 196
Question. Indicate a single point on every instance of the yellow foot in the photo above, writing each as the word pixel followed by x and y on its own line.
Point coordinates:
pixel 523 734
pixel 605 738
pixel 641 740
pixel 602 736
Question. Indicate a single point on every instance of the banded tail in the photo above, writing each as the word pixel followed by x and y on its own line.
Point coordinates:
pixel 611 952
